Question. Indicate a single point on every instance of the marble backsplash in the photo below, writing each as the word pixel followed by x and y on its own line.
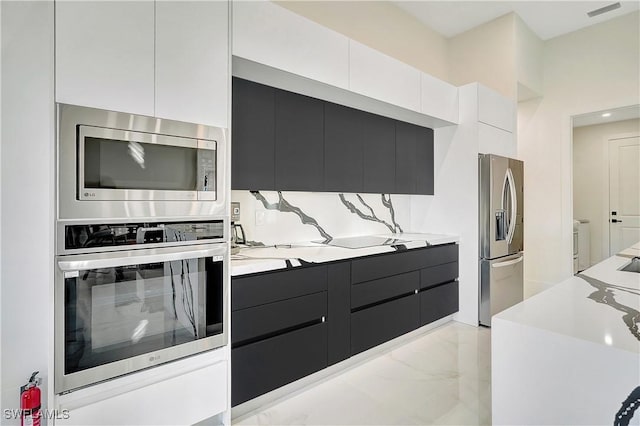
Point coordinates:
pixel 284 217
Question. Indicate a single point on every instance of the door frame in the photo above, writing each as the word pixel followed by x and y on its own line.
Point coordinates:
pixel 606 208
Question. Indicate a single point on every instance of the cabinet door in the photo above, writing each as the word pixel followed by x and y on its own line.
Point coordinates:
pixel 342 149
pixel 381 77
pixel 373 326
pixel 263 366
pixel 299 143
pixel 339 310
pixel 267 33
pixel 192 61
pixel 105 55
pixel 379 154
pixel 424 161
pixel 253 136
pixel 406 163
pixel 255 290
pixel 438 302
pixel 414 159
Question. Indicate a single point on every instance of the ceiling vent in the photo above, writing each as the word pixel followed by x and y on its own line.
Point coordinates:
pixel 605 9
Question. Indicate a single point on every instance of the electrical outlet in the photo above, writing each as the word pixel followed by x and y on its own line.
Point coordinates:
pixel 260 217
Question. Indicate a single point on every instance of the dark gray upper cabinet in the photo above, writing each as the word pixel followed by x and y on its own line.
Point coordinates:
pixel 379 154
pixel 424 161
pixel 289 142
pixel 342 148
pixel 299 147
pixel 414 159
pixel 254 134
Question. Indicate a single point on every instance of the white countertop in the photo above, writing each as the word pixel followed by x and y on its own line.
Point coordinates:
pixel 260 259
pixel 600 305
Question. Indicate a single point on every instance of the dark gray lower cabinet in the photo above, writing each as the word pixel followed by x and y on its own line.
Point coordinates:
pixel 263 366
pixel 339 311
pixel 378 324
pixel 277 330
pixel 438 302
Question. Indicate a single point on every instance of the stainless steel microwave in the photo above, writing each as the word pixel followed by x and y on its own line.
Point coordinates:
pixel 119 165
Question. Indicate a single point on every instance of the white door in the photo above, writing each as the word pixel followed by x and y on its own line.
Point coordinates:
pixel 624 193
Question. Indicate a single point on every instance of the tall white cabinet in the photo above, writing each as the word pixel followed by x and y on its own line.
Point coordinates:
pixel 105 55
pixel 192 61
pixel 167 59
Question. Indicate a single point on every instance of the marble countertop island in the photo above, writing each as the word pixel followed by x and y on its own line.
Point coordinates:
pixel 571 354
pixel 261 259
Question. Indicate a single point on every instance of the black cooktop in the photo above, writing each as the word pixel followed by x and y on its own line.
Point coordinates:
pixel 362 242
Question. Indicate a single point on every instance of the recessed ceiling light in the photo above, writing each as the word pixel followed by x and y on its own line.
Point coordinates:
pixel 606 114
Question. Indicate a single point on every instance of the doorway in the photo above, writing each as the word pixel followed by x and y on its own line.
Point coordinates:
pixel 624 193
pixel 600 138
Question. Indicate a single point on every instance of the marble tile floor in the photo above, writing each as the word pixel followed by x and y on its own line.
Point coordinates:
pixel 440 378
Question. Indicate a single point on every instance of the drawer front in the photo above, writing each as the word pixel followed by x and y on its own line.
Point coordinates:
pixel 266 365
pixel 435 275
pixel 375 267
pixel 270 287
pixel 437 255
pixel 253 323
pixel 376 325
pixel 369 292
pixel 438 302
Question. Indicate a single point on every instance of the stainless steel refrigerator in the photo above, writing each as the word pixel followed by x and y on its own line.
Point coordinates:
pixel 501 234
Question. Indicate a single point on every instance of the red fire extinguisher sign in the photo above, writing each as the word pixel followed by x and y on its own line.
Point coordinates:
pixel 30 402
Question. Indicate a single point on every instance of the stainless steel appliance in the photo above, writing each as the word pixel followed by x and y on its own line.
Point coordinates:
pixel 119 165
pixel 501 234
pixel 121 307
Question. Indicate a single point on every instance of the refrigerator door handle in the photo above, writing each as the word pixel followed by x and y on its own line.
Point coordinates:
pixel 507 262
pixel 514 206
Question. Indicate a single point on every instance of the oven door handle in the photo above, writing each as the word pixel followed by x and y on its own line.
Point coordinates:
pixel 136 257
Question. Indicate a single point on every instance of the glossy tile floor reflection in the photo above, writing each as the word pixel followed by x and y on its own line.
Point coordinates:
pixel 442 377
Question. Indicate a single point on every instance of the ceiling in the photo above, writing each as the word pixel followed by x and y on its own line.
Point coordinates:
pixel 547 19
pixel 616 114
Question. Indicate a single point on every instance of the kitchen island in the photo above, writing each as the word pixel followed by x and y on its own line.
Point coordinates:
pixel 571 355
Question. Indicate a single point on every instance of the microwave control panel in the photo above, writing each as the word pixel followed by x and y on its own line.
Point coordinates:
pixel 206 170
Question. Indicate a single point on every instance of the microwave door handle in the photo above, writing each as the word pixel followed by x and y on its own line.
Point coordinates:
pixel 513 207
pixel 111 260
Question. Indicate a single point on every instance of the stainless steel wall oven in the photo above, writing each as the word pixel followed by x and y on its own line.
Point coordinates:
pixel 124 310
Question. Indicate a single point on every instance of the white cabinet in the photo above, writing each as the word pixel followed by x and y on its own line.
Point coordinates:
pixel 492 140
pixel 496 110
pixel 438 98
pixel 105 54
pixel 187 398
pixel 378 76
pixel 272 35
pixel 192 61
pixel 167 59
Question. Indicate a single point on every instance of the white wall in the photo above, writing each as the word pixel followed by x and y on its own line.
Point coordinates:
pixel 592 69
pixel 486 54
pixel 591 179
pixel 381 26
pixel 27 196
pixel 529 50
